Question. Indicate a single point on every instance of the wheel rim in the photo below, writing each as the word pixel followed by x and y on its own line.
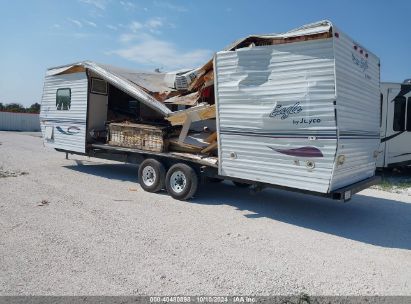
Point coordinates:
pixel 149 176
pixel 178 181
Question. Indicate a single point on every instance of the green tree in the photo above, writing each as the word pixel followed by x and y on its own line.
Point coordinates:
pixel 14 107
pixel 34 108
pixel 1 106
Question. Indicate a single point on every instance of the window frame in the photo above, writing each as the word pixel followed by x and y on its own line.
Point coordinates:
pixel 57 98
pixel 96 92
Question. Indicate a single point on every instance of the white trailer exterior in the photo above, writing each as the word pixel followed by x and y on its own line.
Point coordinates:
pixel 67 128
pixel 395 147
pixel 300 113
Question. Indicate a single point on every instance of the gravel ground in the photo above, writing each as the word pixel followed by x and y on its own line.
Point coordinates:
pixel 85 227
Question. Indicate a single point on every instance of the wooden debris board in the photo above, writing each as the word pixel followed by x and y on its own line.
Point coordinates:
pixel 193 143
pixel 189 99
pixel 197 113
pixel 212 137
pixel 210 148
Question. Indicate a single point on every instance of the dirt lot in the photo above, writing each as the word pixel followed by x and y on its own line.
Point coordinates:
pixel 84 226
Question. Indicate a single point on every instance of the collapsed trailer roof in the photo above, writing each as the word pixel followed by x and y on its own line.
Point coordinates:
pixel 316 30
pixel 139 85
pixel 184 87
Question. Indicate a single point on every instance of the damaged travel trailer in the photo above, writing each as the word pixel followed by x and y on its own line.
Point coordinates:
pixel 395 121
pixel 297 110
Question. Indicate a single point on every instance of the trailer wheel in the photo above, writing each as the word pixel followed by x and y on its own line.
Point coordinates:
pixel 240 185
pixel 181 181
pixel 151 175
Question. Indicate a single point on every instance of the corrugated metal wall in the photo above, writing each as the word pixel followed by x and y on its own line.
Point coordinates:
pixel 19 121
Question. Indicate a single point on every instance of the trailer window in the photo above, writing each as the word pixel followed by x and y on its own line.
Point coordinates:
pixel 98 86
pixel 409 114
pixel 399 114
pixel 63 99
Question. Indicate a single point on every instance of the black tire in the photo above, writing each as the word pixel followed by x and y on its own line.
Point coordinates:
pixel 240 185
pixel 181 181
pixel 156 182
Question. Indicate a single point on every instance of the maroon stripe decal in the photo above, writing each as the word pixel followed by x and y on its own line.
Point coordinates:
pixel 301 152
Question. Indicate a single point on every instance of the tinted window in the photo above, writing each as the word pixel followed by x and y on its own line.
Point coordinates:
pixel 63 99
pixel 399 114
pixel 409 114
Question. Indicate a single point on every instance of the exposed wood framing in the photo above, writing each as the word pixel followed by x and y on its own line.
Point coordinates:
pixel 188 100
pixel 201 112
pixel 210 148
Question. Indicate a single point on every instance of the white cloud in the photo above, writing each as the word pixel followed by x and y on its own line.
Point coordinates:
pixel 128 37
pixel 56 26
pixel 76 22
pixel 81 35
pixel 135 26
pixel 154 23
pixel 111 27
pixel 128 4
pixel 151 25
pixel 153 52
pixel 170 6
pixel 100 4
pixel 90 23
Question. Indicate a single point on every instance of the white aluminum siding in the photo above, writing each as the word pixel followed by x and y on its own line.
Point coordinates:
pixel 69 126
pixel 250 83
pixel 358 110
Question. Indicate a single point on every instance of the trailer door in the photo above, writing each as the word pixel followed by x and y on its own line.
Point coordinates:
pixel 384 121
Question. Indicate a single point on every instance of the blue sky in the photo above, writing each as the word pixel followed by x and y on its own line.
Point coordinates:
pixel 170 34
